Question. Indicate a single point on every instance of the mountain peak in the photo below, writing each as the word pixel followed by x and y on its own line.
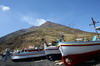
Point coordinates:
pixel 50 24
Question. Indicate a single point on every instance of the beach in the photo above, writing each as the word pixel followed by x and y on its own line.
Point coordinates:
pixel 44 62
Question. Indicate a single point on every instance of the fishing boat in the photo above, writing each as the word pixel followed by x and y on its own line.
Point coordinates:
pixel 52 52
pixel 28 54
pixel 79 51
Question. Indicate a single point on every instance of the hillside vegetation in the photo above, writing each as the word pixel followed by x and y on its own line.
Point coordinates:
pixel 32 36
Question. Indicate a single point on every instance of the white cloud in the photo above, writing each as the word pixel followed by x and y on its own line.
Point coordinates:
pixel 4 8
pixel 32 21
pixel 41 21
pixel 27 19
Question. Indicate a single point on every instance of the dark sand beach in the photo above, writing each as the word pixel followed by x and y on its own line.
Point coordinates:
pixel 44 62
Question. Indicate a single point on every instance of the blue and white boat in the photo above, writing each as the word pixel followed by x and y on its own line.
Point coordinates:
pixel 28 54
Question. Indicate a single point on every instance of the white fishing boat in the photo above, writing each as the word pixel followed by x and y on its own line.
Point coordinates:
pixel 31 53
pixel 78 51
pixel 73 52
pixel 52 52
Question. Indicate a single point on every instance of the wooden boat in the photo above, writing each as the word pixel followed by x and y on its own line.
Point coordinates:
pixel 28 54
pixel 52 52
pixel 75 52
pixel 78 51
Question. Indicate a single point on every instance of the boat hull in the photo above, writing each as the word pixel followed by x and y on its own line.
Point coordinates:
pixel 26 55
pixel 76 52
pixel 52 53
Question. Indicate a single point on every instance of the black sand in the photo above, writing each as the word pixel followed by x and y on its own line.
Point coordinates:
pixel 44 62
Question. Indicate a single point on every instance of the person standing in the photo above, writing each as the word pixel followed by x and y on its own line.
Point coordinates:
pixel 6 55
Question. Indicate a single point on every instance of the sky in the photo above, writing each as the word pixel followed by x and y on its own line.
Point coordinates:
pixel 22 14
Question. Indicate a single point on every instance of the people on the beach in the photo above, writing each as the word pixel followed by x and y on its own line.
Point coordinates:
pixel 6 55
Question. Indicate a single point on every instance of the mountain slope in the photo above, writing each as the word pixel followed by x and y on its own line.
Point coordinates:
pixel 17 33
pixel 50 31
pixel 50 24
